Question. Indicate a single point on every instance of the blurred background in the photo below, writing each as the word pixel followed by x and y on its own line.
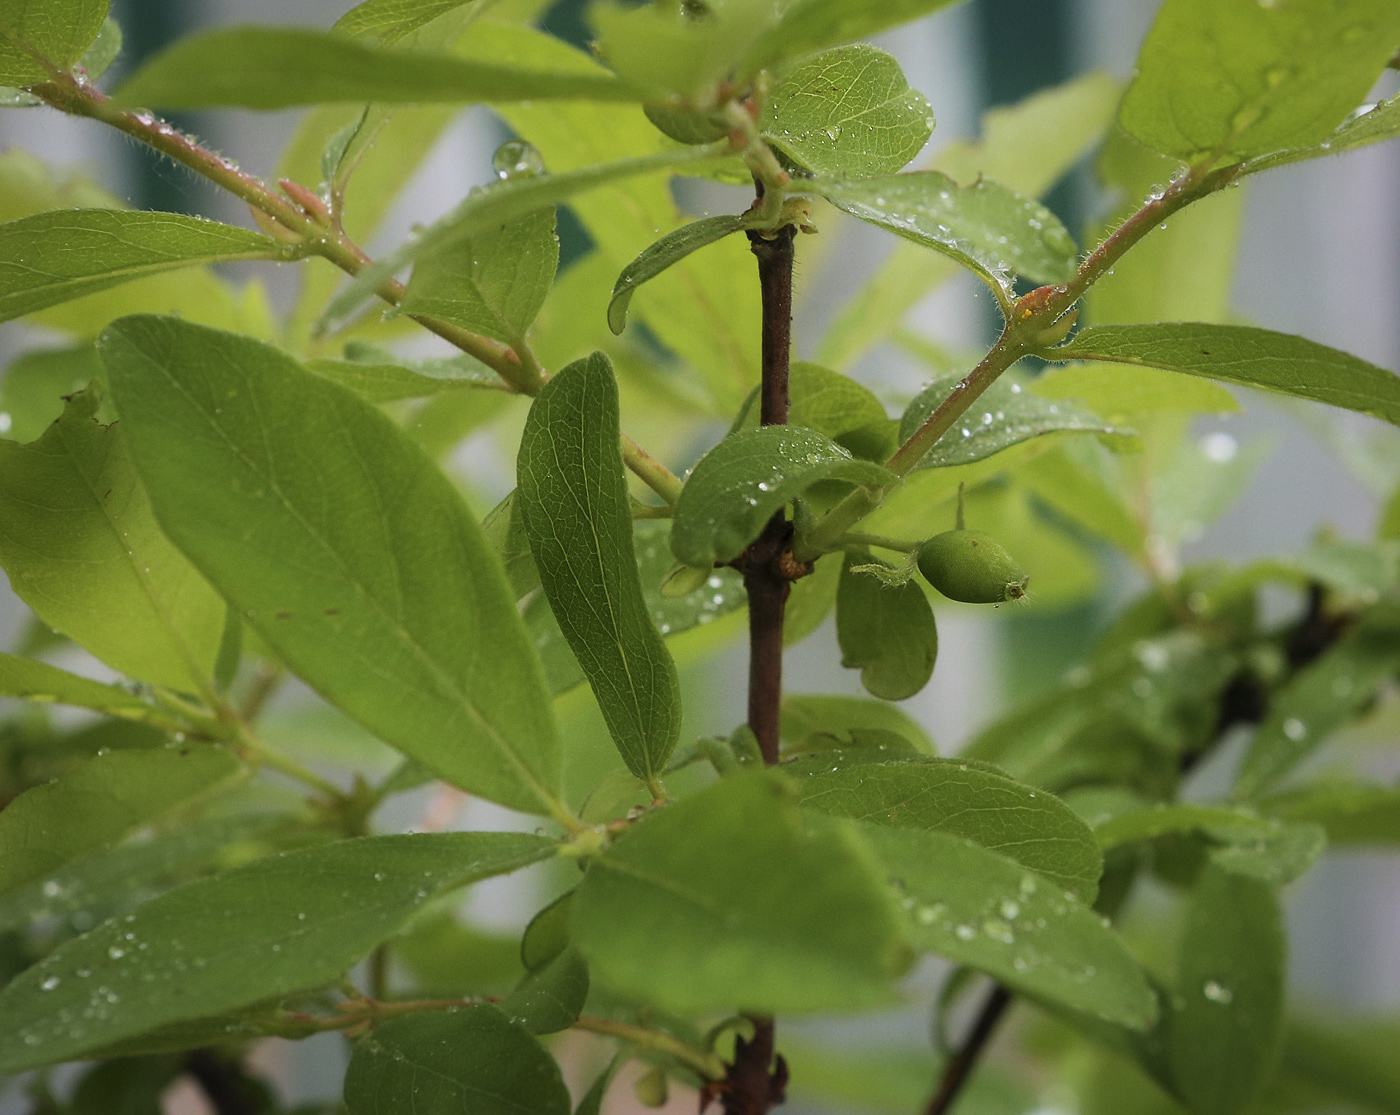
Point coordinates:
pixel 1320 257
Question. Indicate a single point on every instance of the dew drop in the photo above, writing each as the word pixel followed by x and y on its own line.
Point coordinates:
pixel 517 159
pixel 1295 729
pixel 50 983
pixel 965 932
pixel 1217 992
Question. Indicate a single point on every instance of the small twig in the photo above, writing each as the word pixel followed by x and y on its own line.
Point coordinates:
pixel 707 1065
pixel 959 1068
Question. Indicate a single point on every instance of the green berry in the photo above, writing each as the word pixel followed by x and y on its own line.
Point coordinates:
pixel 970 566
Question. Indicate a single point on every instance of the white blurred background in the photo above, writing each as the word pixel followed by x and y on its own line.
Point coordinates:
pixel 1321 257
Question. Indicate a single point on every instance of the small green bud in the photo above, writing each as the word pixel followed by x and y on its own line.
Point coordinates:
pixel 651 1089
pixel 970 566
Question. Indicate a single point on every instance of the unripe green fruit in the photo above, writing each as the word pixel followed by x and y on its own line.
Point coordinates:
pixel 970 566
pixel 651 1089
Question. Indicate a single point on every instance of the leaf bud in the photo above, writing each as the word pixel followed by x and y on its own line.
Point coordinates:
pixel 971 566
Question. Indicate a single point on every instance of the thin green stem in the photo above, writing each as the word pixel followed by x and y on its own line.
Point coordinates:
pixel 259 753
pixel 708 1065
pixel 860 538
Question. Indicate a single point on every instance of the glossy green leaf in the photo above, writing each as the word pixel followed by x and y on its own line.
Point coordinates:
pixel 58 256
pixel 33 388
pixel 986 227
pixel 1319 699
pixel 1027 147
pixel 740 483
pixel 83 549
pixel 1367 125
pixel 1165 818
pixel 885 631
pixel 550 997
pixel 1224 1038
pixel 285 923
pixel 495 283
pixel 470 1060
pixel 57 32
pixel 731 898
pixel 1236 78
pixel 1359 813
pixel 1249 357
pixel 967 799
pixel 874 126
pixel 1275 858
pixel 813 722
pixel 388 21
pixel 496 205
pixel 372 583
pixel 370 375
pixel 574 505
pixel 719 594
pixel 656 257
pixel 808 25
pixel 1119 392
pixel 274 67
pixel 978 908
pixel 504 527
pixel 98 803
pixel 1005 414
pixel 38 681
pixel 547 935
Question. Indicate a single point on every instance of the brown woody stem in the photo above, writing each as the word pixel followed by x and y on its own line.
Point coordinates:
pixel 959 1068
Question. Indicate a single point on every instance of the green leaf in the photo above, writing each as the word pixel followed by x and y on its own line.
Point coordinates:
pixel 496 205
pixel 808 25
pixel 1121 392
pixel 83 549
pixel 825 401
pixel 33 388
pixel 38 681
pixel 57 32
pixel 1318 700
pixel 812 722
pixel 448 959
pixel 1351 813
pixel 885 631
pixel 98 803
pixel 504 527
pixel 470 1060
pixel 495 284
pixel 847 111
pixel 274 67
pixel 55 257
pixel 811 599
pixel 656 257
pixel 1240 78
pixel 1368 124
pixel 388 21
pixel 1078 481
pixel 1238 840
pixel 986 227
pixel 732 898
pixel 1005 414
pixel 573 501
pixel 967 799
pixel 592 1102
pixel 1249 357
pixel 372 378
pixel 285 923
pixel 1224 1038
pixel 549 998
pixel 547 935
pixel 740 483
pixel 978 908
pixel 1026 146
pixel 373 584
pixel 1353 1060
pixel 721 592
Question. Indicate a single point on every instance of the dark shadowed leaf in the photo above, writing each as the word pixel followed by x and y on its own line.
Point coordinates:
pixel 885 631
pixel 470 1060
pixel 742 481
